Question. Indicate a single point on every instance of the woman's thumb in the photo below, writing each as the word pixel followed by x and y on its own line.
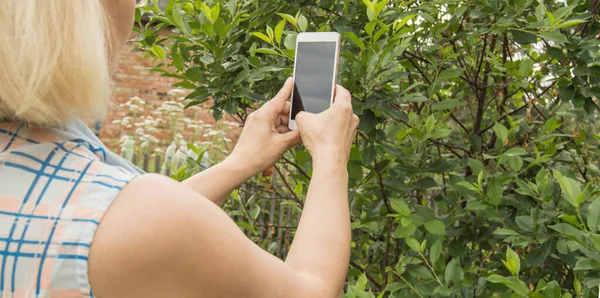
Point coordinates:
pixel 301 117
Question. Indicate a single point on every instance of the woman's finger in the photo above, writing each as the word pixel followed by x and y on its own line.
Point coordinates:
pixel 283 119
pixel 279 102
pixel 282 129
pixel 286 108
pixel 342 96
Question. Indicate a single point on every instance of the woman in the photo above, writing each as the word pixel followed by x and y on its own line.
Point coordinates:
pixel 152 237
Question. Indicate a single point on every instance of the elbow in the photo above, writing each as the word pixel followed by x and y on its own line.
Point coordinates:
pixel 313 287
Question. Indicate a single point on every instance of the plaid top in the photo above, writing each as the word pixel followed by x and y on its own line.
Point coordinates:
pixel 54 190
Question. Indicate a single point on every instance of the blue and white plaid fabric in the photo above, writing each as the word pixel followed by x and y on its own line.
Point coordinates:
pixel 54 189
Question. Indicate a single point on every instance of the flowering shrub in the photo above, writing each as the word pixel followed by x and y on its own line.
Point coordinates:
pixel 145 126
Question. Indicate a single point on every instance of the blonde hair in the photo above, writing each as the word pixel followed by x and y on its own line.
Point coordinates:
pixel 53 61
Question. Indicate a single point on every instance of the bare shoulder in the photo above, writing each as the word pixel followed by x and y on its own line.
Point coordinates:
pixel 140 236
pixel 161 239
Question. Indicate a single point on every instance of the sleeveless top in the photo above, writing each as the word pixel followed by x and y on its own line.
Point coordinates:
pixel 55 186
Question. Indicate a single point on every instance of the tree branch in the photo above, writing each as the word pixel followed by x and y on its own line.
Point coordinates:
pixel 287 185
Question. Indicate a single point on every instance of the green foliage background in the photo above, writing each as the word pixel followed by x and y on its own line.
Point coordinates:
pixel 475 171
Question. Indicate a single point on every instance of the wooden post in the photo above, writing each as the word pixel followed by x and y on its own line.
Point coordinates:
pixel 145 163
pixel 280 230
pixel 157 164
pixel 288 234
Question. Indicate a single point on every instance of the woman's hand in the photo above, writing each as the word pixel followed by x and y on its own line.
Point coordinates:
pixel 266 135
pixel 328 135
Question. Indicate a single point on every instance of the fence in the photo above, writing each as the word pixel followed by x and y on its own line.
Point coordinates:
pixel 266 216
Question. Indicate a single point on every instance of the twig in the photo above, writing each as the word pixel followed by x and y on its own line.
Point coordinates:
pixel 382 188
pixel 369 277
pixel 287 185
pixel 297 167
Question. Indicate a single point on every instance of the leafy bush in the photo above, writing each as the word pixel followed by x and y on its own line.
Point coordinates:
pixel 475 170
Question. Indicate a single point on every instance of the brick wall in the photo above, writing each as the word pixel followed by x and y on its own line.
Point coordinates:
pixel 133 79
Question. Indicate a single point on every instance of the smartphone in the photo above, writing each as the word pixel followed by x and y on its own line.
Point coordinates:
pixel 315 72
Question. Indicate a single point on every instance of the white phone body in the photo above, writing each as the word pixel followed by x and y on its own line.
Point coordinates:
pixel 329 44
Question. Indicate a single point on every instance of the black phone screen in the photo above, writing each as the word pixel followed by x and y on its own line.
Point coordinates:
pixel 315 66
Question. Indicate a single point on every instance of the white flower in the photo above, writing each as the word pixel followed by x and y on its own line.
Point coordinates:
pixel 176 93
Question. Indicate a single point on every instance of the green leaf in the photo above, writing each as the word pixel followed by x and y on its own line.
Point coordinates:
pixel 569 23
pixel 517 286
pixel 570 188
pixel 440 133
pixel 569 231
pixel 448 104
pixel 515 163
pixel 400 23
pixel 265 51
pixel 587 264
pixel 400 206
pixel 158 52
pixel 355 39
pixel 476 166
pixel 232 7
pixel 290 41
pixel 368 121
pixel 475 206
pixel 513 259
pixel 555 36
pixel 450 74
pixel 215 12
pixel 403 232
pixel 593 215
pixel 302 23
pixel 501 131
pixel 563 12
pixel 355 171
pixel 242 76
pixel 415 97
pixel 470 186
pixel 494 191
pixel 207 12
pixel 539 255
pixel 289 19
pixel 435 251
pixel 361 283
pixel 255 212
pixel 279 31
pixel 506 232
pixel 454 272
pixel 436 227
pixel 525 67
pixel 516 151
pixel 595 238
pixel 263 37
pixel 523 37
pixel 413 244
pixel 270 33
pixel 541 180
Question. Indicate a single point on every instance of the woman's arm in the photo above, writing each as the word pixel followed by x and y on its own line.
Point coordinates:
pixel 218 181
pixel 162 240
pixel 263 141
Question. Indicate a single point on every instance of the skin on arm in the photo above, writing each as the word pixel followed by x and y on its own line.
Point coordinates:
pixel 161 239
pixel 263 141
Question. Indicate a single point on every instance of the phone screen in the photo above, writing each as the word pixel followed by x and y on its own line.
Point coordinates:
pixel 313 79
